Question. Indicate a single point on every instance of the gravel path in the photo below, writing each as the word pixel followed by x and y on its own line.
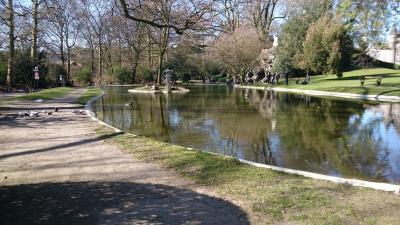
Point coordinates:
pixel 54 169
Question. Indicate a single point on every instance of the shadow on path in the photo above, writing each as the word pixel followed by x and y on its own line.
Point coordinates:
pixel 23 108
pixel 112 203
pixel 56 147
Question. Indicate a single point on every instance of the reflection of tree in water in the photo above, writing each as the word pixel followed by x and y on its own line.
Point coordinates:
pixel 262 145
pixel 164 122
pixel 282 129
pixel 361 154
pixel 264 101
pixel 231 145
pixel 314 137
pixel 308 128
pixel 139 114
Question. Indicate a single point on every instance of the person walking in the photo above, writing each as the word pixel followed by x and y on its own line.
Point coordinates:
pixel 269 77
pixel 273 78
pixel 287 77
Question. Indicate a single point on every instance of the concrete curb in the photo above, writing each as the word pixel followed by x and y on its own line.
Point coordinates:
pixel 353 182
pixel 89 112
pixel 381 98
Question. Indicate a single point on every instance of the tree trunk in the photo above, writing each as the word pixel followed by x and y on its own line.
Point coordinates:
pixel 100 60
pixel 69 64
pixel 119 52
pixel 160 64
pixel 163 48
pixel 35 7
pixel 109 58
pixel 134 67
pixel 11 52
pixel 150 52
pixel 92 59
pixel 62 54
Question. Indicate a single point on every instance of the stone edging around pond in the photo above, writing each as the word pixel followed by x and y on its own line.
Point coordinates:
pixel 90 113
pixel 353 182
pixel 382 98
pixel 149 91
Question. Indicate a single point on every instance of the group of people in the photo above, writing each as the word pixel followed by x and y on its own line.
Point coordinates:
pixel 266 77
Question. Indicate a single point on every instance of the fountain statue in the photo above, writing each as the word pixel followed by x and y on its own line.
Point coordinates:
pixel 168 76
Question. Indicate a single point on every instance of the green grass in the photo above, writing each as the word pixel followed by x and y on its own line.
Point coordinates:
pixel 90 93
pixel 46 94
pixel 268 197
pixel 350 82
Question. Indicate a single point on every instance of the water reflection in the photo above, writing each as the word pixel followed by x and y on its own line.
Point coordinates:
pixel 337 137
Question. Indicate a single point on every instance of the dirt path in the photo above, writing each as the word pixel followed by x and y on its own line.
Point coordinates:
pixel 56 170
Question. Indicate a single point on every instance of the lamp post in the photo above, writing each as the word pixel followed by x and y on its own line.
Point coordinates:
pixel 168 75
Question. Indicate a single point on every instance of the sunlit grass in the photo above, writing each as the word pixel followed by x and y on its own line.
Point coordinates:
pixel 46 94
pixel 350 82
pixel 90 93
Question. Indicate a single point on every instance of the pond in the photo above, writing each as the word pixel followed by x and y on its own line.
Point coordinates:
pixel 345 138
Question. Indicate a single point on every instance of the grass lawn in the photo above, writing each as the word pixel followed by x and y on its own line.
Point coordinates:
pixel 46 94
pixel 268 197
pixel 90 93
pixel 350 82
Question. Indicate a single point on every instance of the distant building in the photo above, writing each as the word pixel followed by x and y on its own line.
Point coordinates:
pixel 53 57
pixel 392 54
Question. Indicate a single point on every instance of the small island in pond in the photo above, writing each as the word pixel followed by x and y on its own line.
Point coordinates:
pixel 155 89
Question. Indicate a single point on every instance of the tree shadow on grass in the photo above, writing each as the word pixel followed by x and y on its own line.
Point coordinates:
pixel 387 92
pixel 112 203
pixel 362 90
pixel 370 76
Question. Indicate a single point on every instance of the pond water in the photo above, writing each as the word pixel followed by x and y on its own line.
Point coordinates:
pixel 346 138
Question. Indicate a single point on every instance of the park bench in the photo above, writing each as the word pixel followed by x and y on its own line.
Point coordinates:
pixel 378 79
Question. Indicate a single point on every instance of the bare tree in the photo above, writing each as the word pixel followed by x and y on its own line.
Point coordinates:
pixel 34 30
pixel 87 34
pixel 263 13
pixel 55 29
pixel 167 16
pixel 64 25
pixel 9 21
pixel 231 14
pixel 238 51
pixel 72 28
pixel 134 35
pixel 95 12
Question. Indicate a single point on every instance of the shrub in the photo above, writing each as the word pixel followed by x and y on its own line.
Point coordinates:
pixel 3 72
pixel 185 77
pixel 220 78
pixel 123 75
pixel 84 76
pixel 55 71
pixel 149 75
